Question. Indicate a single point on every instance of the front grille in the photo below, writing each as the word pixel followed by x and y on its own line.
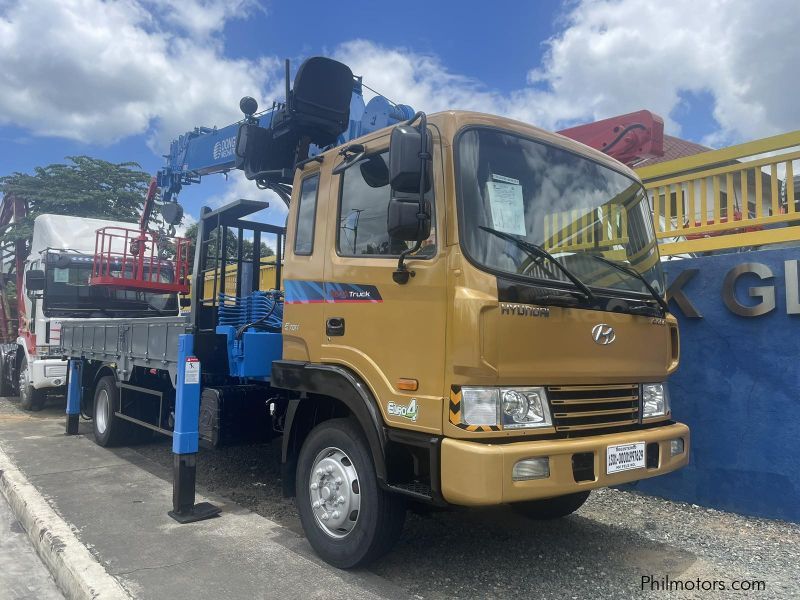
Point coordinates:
pixel 585 407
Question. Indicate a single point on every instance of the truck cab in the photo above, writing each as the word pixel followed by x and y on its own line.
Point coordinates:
pixel 524 360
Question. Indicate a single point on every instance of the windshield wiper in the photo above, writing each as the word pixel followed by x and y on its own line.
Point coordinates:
pixel 634 273
pixel 538 251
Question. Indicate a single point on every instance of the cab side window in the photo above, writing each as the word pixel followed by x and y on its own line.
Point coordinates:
pixel 306 216
pixel 363 207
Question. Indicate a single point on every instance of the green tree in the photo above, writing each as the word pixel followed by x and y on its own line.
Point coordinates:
pixel 83 187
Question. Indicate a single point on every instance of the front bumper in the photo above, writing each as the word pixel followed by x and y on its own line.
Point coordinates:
pixel 479 474
pixel 48 373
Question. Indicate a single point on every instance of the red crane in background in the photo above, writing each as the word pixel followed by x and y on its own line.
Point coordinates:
pixel 628 138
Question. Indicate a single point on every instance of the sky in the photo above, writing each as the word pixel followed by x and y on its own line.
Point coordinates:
pixel 119 79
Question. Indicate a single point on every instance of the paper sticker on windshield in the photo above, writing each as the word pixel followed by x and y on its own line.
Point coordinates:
pixel 508 210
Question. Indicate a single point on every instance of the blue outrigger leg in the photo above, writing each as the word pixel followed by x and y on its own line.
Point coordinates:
pixel 74 371
pixel 185 437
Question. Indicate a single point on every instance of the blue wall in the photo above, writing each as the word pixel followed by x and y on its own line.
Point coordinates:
pixel 738 388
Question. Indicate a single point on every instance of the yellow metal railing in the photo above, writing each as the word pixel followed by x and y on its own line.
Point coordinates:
pixel 572 231
pixel 266 278
pixel 602 230
pixel 741 196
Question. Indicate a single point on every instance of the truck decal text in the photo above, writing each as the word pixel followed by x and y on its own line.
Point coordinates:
pixel 409 411
pixel 311 292
pixel 524 310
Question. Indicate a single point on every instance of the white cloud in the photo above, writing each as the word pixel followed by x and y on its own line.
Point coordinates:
pixel 617 56
pixel 405 77
pixel 239 187
pixel 204 17
pixel 99 71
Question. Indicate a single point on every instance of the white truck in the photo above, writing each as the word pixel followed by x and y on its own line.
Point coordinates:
pixel 53 284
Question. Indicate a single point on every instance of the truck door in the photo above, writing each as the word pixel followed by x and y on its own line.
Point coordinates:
pixel 391 335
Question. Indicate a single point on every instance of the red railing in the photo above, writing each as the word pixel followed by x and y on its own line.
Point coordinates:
pixel 148 262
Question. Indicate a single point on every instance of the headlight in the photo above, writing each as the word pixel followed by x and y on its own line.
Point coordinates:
pixel 513 408
pixel 525 407
pixel 479 406
pixel 655 400
pixel 55 370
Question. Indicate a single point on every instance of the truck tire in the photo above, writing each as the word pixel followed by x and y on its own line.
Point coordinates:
pixel 348 519
pixel 109 430
pixel 29 397
pixel 5 383
pixel 551 508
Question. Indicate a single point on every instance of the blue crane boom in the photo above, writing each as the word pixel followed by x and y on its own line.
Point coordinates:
pixel 326 107
pixel 207 150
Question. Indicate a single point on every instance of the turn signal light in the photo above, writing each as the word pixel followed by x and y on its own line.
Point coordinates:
pixel 409 385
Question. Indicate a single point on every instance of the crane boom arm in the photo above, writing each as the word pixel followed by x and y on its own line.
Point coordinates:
pixel 273 135
pixel 208 150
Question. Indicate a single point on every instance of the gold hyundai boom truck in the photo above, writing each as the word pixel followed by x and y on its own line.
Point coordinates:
pixel 473 315
pixel 524 360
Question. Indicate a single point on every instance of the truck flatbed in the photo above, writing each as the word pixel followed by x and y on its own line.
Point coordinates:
pixel 149 342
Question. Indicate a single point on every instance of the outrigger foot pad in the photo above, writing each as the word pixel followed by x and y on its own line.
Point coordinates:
pixel 184 510
pixel 199 512
pixel 72 424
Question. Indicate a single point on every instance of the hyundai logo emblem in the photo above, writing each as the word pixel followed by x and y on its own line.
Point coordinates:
pixel 603 334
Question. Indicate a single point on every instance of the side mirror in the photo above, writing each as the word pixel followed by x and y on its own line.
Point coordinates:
pixel 404 162
pixel 403 223
pixel 34 280
pixel 374 171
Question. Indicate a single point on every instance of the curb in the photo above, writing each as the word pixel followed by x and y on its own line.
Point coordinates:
pixel 77 573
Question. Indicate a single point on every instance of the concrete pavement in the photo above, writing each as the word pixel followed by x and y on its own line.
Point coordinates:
pixel 22 574
pixel 115 503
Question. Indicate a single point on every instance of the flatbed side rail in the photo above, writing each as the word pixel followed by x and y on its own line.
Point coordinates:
pixel 150 342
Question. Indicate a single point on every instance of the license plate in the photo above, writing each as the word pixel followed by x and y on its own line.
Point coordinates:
pixel 625 457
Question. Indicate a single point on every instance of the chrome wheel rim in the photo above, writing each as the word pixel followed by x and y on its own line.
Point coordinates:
pixel 101 411
pixel 23 382
pixel 335 492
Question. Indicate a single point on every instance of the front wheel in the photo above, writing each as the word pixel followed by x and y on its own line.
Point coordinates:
pixel 348 519
pixel 29 397
pixel 551 508
pixel 5 382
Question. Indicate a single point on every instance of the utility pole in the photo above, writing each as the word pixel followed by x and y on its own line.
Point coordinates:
pixel 358 212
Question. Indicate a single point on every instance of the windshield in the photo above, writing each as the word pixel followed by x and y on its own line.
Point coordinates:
pixel 572 207
pixel 67 293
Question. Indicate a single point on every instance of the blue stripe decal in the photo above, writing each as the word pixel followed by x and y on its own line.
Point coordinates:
pixel 313 292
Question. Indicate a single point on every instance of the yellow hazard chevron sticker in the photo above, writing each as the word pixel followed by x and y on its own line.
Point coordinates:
pixel 455 413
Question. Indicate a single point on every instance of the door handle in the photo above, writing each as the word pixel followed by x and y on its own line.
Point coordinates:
pixel 334 326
